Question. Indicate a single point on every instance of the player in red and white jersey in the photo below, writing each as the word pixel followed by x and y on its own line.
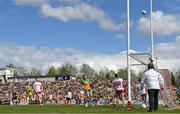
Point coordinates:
pixel 82 97
pixel 118 85
pixel 144 94
pixel 38 88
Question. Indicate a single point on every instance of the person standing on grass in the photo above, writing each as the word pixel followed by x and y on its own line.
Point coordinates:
pixel 69 97
pixel 38 88
pixel 144 94
pixel 87 85
pixel 15 97
pixel 118 85
pixel 154 81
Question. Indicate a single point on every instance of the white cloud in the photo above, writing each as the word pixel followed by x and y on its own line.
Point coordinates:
pixel 43 58
pixel 81 12
pixel 30 2
pixel 168 54
pixel 70 1
pixel 164 24
pixel 73 10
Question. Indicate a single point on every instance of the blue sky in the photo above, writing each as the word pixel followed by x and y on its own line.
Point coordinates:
pixel 87 26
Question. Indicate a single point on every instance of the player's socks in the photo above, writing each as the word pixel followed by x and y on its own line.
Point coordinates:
pixel 86 104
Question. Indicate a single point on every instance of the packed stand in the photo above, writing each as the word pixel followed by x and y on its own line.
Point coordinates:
pixel 56 92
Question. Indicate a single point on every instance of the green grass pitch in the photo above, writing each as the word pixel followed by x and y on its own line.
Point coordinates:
pixel 76 109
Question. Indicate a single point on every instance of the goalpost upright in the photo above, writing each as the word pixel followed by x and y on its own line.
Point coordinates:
pixel 129 48
pixel 128 54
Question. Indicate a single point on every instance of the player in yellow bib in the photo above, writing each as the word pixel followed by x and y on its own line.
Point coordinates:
pixel 88 89
pixel 29 93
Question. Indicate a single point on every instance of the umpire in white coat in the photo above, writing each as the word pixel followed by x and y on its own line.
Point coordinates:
pixel 154 82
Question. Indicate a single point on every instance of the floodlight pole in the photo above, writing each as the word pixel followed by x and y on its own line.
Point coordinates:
pixel 128 54
pixel 151 31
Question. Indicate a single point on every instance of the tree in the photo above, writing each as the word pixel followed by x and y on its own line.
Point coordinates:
pixel 140 75
pixel 177 75
pixel 52 71
pixel 123 73
pixel 85 69
pixel 11 65
pixel 21 71
pixel 103 73
pixel 35 72
pixel 111 73
pixel 67 69
pixel 134 76
pixel 173 80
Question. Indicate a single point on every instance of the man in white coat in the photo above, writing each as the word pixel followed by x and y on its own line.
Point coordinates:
pixel 154 81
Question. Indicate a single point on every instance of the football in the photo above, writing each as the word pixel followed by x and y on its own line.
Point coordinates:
pixel 143 12
pixel 143 105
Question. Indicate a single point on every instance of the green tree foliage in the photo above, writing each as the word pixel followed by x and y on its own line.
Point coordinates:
pixel 122 73
pixel 177 75
pixel 85 69
pixel 134 76
pixel 35 72
pixel 67 69
pixel 52 71
pixel 105 74
pixel 140 75
pixel 18 70
pixel 21 71
pixel 102 73
pixel 173 80
pixel 11 65
pixel 111 74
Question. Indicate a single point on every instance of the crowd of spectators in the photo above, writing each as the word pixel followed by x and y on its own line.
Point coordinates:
pixel 178 95
pixel 55 92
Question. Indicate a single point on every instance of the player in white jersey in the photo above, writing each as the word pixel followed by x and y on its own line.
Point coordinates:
pixel 81 97
pixel 144 94
pixel 69 96
pixel 118 85
pixel 38 88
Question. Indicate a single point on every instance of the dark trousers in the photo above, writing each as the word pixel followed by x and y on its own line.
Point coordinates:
pixel 153 99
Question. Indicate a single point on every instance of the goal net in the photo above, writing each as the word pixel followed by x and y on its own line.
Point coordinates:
pixel 141 58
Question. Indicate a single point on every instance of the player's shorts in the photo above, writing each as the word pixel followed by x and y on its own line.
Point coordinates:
pixel 68 99
pixel 82 98
pixel 144 94
pixel 39 93
pixel 15 98
pixel 120 92
pixel 23 97
pixel 88 90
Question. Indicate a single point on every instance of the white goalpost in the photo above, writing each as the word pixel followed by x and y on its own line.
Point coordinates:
pixel 142 58
pixel 145 59
pixel 128 57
